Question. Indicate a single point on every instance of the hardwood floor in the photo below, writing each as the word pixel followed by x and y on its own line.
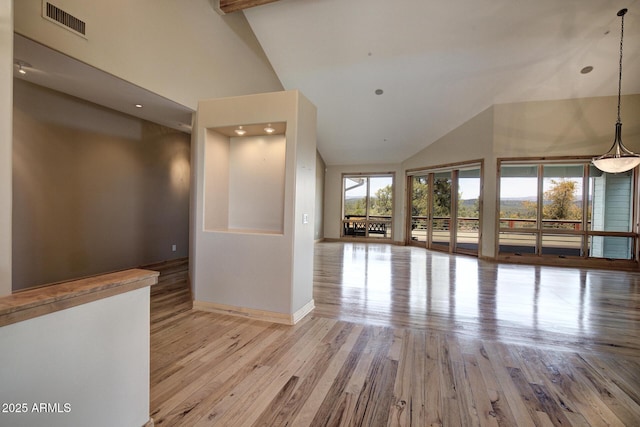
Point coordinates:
pixel 405 337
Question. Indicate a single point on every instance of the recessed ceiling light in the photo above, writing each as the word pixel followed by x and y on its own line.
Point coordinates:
pixel 269 129
pixel 379 91
pixel 138 105
pixel 240 131
pixel 587 69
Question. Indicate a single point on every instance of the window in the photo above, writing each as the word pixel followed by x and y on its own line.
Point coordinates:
pixel 565 209
pixel 419 207
pixel 367 206
pixel 610 215
pixel 444 211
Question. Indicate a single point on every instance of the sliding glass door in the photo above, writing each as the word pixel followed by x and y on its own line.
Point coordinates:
pixel 367 206
pixel 441 214
pixel 419 190
pixel 445 208
pixel 468 210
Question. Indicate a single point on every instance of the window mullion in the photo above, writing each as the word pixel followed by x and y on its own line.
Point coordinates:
pixel 368 206
pixel 585 211
pixel 540 209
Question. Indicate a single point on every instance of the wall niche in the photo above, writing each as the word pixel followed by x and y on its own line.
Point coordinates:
pixel 245 178
pixel 253 203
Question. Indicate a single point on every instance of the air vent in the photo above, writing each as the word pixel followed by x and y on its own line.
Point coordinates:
pixel 66 20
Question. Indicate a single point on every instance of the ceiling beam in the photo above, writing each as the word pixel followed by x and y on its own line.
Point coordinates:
pixel 229 6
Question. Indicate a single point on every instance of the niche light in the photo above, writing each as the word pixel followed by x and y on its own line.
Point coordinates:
pixel 269 129
pixel 240 131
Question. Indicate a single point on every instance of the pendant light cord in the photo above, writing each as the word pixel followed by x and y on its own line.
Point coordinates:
pixel 621 13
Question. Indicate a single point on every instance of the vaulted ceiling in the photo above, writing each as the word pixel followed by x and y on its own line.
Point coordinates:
pixel 438 63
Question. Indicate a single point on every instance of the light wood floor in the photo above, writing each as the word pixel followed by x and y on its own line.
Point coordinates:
pixel 402 336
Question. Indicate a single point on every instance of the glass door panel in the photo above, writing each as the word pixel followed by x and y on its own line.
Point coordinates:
pixel 562 197
pixel 468 223
pixel 518 208
pixel 441 213
pixel 419 208
pixel 355 206
pixel 380 207
pixel 367 206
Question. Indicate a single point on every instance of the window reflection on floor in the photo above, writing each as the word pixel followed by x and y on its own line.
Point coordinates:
pixel 386 282
pixel 545 298
pixel 366 276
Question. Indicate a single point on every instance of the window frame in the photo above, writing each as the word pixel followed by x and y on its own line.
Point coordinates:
pixel 367 222
pixel 429 173
pixel 584 230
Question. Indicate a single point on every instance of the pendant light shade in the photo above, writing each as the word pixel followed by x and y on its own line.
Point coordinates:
pixel 618 158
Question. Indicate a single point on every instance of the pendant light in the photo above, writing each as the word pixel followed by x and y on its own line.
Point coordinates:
pixel 618 158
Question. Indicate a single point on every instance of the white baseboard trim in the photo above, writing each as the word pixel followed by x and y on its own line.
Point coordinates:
pixel 306 309
pixel 252 313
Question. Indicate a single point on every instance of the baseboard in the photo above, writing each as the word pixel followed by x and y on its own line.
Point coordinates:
pixel 252 313
pixel 306 309
pixel 149 423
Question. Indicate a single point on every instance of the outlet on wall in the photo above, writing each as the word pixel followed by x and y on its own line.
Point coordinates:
pixel 173 248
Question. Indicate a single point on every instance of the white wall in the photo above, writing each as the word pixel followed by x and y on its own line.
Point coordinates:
pixel 6 119
pixel 256 182
pixel 182 50
pixel 255 270
pixel 94 356
pixel 215 157
pixel 305 199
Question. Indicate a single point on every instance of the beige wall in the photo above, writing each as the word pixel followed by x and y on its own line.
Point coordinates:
pixel 470 141
pixel 94 190
pixel 6 111
pixel 182 50
pixel 319 214
pixel 571 127
pixel 268 271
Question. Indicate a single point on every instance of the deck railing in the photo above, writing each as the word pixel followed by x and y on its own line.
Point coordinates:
pixel 465 223
pixel 361 226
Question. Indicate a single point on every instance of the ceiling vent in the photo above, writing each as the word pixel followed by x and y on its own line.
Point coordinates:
pixel 62 18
